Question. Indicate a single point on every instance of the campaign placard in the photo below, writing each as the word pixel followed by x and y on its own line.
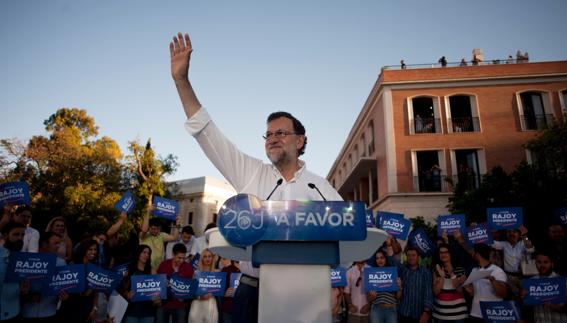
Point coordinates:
pixel 479 233
pixel 16 193
pixel 211 282
pixel 165 208
pixel 102 280
pixel 234 282
pixel 505 311
pixel 381 279
pixel 70 278
pixel 504 218
pixel 394 224
pixel 338 277
pixel 126 203
pixel 544 290
pixel 29 266
pixel 121 269
pixel 369 218
pixel 195 261
pixel 419 239
pixel 561 215
pixel 450 223
pixel 148 287
pixel 182 288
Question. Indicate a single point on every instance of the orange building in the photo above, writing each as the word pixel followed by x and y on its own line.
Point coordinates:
pixel 422 129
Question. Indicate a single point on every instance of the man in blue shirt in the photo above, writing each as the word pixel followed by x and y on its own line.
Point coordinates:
pixel 13 234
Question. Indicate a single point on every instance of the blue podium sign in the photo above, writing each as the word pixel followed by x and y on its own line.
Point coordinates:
pixel 29 266
pixel 381 279
pixel 544 290
pixel 126 203
pixel 479 234
pixel 338 277
pixel 394 224
pixel 165 208
pixel 14 192
pixel 505 311
pixel 504 218
pixel 450 223
pixel 244 220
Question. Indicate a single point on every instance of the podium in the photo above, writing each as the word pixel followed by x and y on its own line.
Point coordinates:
pixel 294 243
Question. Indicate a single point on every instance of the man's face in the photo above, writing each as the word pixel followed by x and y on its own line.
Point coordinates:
pixel 154 230
pixel 15 239
pixel 23 218
pixel 556 233
pixel 513 236
pixel 179 258
pixel 413 258
pixel 544 265
pixel 185 237
pixel 53 244
pixel 285 149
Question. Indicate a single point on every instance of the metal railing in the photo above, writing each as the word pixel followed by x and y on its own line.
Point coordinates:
pixel 430 183
pixel 466 181
pixel 465 124
pixel 426 125
pixel 455 64
pixel 537 122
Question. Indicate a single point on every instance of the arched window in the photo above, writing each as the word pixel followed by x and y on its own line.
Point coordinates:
pixel 423 113
pixel 534 110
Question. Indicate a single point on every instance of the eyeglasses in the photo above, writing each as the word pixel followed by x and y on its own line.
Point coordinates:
pixel 278 134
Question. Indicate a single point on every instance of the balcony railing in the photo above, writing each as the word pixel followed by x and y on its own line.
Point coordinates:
pixel 426 125
pixel 430 183
pixel 456 64
pixel 537 122
pixel 465 124
pixel 467 181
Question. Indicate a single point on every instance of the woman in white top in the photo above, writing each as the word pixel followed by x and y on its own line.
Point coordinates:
pixel 57 225
pixel 204 308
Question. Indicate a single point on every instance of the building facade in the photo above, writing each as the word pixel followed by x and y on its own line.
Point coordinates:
pixel 200 199
pixel 423 130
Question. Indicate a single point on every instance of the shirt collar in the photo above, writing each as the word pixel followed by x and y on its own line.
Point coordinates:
pixel 296 175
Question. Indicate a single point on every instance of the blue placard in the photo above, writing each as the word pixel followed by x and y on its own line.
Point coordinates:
pixel 29 266
pixel 419 239
pixel 394 224
pixel 338 277
pixel 234 282
pixel 69 278
pixel 244 220
pixel 15 192
pixel 505 311
pixel 450 223
pixel 126 203
pixel 381 279
pixel 561 215
pixel 544 290
pixel 182 288
pixel 148 287
pixel 102 280
pixel 195 261
pixel 369 218
pixel 479 233
pixel 165 208
pixel 121 269
pixel 211 282
pixel 504 218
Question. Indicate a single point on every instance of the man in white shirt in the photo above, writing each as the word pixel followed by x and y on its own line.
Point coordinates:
pixel 23 215
pixel 286 178
pixel 187 239
pixel 514 249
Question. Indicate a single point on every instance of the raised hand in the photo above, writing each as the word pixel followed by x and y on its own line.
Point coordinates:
pixel 180 51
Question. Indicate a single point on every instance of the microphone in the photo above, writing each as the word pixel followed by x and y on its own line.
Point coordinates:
pixel 312 186
pixel 278 183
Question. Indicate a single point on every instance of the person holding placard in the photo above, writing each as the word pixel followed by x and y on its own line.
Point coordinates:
pixel 357 302
pixel 229 267
pixel 13 234
pixel 145 311
pixel 152 236
pixel 204 308
pixel 384 304
pixel 449 301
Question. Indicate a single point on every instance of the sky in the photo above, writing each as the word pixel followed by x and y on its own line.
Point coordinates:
pixel 316 59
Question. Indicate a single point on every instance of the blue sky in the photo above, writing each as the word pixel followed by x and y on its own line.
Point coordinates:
pixel 316 59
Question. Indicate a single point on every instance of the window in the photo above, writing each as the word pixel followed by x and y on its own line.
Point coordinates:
pixel 373 185
pixel 428 171
pixel 563 99
pixel 363 145
pixel 423 115
pixel 468 171
pixel 462 114
pixel 371 142
pixel 190 218
pixel 535 111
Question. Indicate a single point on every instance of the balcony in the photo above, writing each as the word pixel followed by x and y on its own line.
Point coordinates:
pixel 536 122
pixel 467 181
pixel 359 171
pixel 430 183
pixel 465 124
pixel 426 125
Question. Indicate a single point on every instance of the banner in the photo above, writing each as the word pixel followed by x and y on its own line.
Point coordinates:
pixel 544 290
pixel 394 224
pixel 211 282
pixel 504 218
pixel 369 218
pixel 195 261
pixel 561 215
pixel 165 208
pixel 148 287
pixel 338 277
pixel 126 203
pixel 16 193
pixel 121 269
pixel 419 239
pixel 69 278
pixel 182 288
pixel 499 311
pixel 479 233
pixel 381 279
pixel 450 223
pixel 102 280
pixel 29 266
pixel 234 282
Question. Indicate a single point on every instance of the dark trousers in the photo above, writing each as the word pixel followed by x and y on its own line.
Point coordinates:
pixel 245 304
